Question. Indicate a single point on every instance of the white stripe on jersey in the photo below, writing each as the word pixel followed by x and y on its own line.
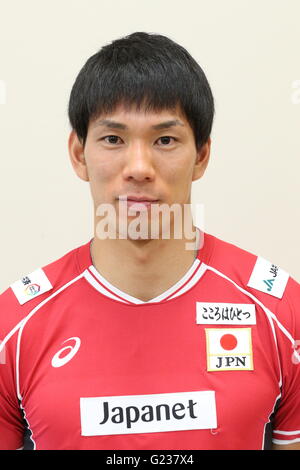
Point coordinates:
pixel 279 441
pixel 106 288
pixel 288 433
pixel 24 321
pixel 91 280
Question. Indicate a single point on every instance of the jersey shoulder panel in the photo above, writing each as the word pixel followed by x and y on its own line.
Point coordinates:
pixel 22 296
pixel 266 281
pixel 230 259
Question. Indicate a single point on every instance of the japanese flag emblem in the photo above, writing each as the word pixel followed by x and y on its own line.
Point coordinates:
pixel 229 349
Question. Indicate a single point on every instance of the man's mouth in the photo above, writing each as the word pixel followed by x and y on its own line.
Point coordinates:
pixel 139 202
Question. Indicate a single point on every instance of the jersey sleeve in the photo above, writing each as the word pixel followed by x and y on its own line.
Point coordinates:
pixel 286 426
pixel 16 303
pixel 11 418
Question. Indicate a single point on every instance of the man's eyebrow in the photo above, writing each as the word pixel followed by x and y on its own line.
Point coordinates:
pixel 118 125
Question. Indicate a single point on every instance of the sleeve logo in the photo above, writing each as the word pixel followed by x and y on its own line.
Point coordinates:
pixel 31 286
pixel 269 278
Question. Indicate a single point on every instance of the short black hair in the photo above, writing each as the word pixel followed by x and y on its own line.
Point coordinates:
pixel 142 70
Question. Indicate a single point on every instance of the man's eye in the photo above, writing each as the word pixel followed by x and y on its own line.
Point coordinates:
pixel 112 139
pixel 166 140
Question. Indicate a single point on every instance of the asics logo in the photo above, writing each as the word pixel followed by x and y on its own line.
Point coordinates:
pixel 58 361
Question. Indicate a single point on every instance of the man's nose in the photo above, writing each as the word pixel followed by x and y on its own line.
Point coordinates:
pixel 138 162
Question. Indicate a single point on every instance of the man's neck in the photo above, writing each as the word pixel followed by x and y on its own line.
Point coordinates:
pixel 143 269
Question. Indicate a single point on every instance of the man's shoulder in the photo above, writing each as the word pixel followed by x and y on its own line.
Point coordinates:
pixel 253 273
pixel 23 295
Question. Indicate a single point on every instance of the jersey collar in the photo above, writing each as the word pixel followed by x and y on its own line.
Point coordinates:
pixel 102 285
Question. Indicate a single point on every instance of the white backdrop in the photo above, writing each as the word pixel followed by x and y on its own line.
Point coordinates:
pixel 249 50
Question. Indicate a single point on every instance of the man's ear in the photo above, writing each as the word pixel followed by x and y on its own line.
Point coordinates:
pixel 202 160
pixel 76 152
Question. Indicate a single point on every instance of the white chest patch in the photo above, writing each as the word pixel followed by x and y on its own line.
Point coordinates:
pixel 30 286
pixel 268 278
pixel 229 349
pixel 212 313
pixel 148 413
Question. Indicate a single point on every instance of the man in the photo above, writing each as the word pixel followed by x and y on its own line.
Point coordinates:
pixel 137 340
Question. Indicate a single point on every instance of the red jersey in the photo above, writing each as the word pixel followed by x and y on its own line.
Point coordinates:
pixel 211 363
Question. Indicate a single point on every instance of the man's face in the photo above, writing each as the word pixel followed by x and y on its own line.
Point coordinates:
pixel 139 154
